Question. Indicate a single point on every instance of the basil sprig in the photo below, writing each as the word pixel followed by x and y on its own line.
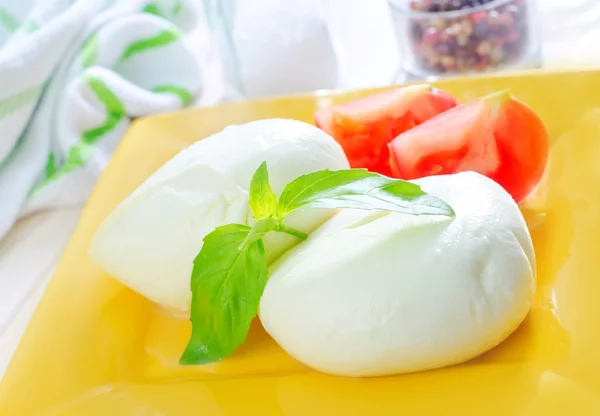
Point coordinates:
pixel 230 272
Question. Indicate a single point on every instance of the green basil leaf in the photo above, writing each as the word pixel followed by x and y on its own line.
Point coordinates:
pixel 227 284
pixel 230 272
pixel 359 189
pixel 263 200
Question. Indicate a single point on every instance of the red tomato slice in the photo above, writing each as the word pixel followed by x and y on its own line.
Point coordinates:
pixel 496 136
pixel 365 127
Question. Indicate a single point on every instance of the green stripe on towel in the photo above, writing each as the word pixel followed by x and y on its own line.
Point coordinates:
pixel 50 165
pixel 114 108
pixel 152 8
pixel 89 51
pixel 29 26
pixel 7 20
pixel 17 101
pixel 164 38
pixel 177 8
pixel 83 149
pixel 184 95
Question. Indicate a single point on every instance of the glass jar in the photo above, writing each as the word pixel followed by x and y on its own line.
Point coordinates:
pixel 454 37
pixel 271 47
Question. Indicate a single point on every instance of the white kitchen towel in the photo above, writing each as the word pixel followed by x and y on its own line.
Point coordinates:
pixel 73 74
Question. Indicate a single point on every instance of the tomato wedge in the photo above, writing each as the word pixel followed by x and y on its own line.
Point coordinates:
pixel 365 127
pixel 497 136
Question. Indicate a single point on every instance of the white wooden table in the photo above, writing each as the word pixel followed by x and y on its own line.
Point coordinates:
pixel 33 248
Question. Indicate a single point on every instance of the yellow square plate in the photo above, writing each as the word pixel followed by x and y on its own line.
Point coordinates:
pixel 96 348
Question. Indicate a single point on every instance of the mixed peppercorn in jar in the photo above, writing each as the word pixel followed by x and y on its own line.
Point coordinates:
pixel 445 37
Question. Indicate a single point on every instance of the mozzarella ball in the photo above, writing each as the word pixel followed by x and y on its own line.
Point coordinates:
pixel 374 293
pixel 150 240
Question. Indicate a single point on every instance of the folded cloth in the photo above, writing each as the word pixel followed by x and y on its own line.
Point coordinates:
pixel 73 74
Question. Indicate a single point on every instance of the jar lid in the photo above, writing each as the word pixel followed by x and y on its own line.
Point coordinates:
pixel 442 6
